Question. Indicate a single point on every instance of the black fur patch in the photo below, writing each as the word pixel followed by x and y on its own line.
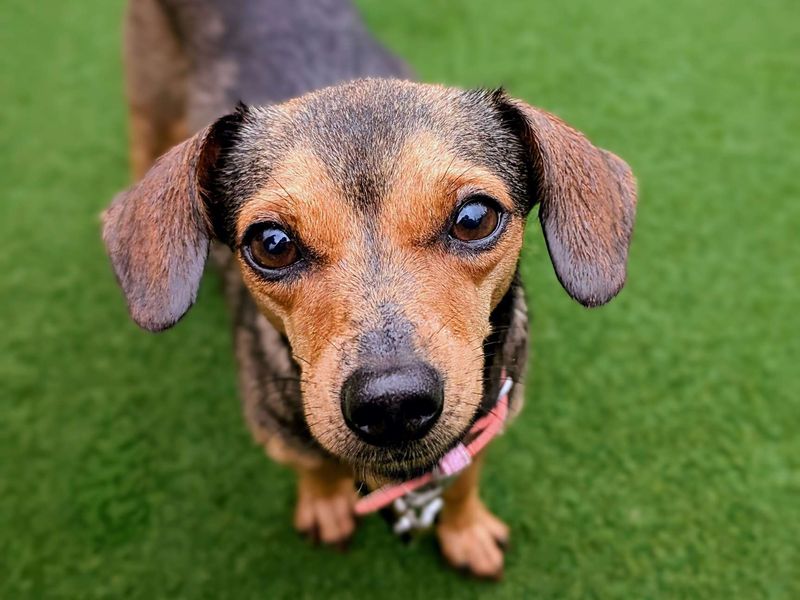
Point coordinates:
pixel 226 132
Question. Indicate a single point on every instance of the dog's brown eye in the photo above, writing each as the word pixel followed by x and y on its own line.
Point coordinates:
pixel 474 221
pixel 271 248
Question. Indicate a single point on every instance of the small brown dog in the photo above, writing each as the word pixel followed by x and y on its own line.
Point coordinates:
pixel 369 234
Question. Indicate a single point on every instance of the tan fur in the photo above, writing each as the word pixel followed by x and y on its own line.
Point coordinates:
pixel 156 69
pixel 471 538
pixel 325 499
pixel 149 140
pixel 447 299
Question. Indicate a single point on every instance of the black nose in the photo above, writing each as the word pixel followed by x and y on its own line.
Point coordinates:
pixel 385 406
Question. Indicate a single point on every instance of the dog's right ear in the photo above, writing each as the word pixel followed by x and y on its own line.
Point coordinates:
pixel 157 233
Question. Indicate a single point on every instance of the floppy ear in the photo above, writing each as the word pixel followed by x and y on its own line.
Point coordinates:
pixel 157 233
pixel 588 204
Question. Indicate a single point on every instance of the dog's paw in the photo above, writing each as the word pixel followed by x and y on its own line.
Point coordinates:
pixel 324 509
pixel 473 540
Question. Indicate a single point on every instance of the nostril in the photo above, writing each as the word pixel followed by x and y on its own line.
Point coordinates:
pixel 419 409
pixel 368 419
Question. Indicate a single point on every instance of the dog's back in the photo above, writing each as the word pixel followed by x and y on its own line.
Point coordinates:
pixel 190 61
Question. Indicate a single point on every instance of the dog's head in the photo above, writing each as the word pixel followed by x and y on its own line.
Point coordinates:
pixel 378 224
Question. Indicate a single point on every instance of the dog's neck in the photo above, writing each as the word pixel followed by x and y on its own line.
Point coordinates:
pixel 506 347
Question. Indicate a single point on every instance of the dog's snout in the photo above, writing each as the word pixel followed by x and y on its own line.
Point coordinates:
pixel 386 406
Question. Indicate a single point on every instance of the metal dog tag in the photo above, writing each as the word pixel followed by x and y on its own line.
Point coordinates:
pixel 417 511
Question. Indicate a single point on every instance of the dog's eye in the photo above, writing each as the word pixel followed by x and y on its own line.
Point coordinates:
pixel 475 220
pixel 270 247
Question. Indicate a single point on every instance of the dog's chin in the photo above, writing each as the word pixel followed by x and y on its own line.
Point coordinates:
pixel 397 464
pixel 396 471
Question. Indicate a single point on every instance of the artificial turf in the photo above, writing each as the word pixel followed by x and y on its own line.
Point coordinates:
pixel 659 452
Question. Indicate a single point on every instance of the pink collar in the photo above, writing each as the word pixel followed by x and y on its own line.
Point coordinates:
pixel 456 460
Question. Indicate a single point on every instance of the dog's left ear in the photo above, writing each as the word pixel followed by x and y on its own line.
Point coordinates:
pixel 588 202
pixel 157 233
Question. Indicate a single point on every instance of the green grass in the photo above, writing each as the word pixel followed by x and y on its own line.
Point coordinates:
pixel 659 452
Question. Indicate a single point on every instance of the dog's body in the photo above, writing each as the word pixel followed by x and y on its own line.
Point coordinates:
pixel 188 62
pixel 354 182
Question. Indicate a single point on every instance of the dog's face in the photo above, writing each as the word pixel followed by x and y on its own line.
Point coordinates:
pixel 378 232
pixel 377 224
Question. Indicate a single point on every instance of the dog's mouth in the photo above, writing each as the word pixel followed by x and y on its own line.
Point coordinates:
pixel 402 462
pixel 396 467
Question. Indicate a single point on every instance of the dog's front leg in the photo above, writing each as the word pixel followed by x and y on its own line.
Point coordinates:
pixel 326 495
pixel 471 537
pixel 325 499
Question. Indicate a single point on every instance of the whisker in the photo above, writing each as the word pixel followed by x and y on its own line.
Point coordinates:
pixel 300 358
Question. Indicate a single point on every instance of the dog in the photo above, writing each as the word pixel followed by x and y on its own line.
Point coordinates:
pixel 368 231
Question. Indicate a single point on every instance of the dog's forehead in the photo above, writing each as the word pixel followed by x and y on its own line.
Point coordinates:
pixel 358 132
